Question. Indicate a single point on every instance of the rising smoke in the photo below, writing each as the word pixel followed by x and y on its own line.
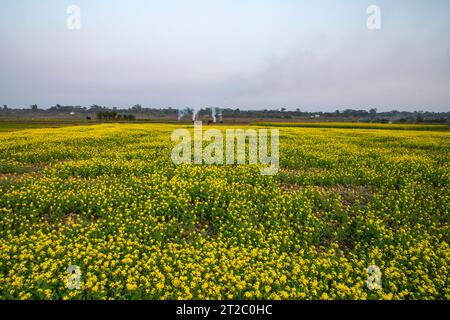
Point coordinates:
pixel 194 114
pixel 182 113
pixel 213 114
pixel 216 114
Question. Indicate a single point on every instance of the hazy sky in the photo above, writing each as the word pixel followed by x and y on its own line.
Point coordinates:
pixel 312 55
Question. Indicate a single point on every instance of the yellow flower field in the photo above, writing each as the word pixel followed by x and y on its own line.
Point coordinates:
pixel 108 199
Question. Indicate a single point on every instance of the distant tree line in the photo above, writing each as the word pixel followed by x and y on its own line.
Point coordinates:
pixel 137 111
pixel 113 115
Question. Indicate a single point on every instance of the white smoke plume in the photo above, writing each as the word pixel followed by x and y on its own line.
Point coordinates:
pixel 194 114
pixel 213 114
pixel 182 113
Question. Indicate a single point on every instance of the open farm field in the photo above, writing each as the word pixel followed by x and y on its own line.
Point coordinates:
pixel 358 125
pixel 108 200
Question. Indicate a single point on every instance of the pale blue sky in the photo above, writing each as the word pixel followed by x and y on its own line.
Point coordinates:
pixel 313 55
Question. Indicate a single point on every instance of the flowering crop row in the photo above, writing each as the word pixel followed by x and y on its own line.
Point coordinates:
pixel 108 199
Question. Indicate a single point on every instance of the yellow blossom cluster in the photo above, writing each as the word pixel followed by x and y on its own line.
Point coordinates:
pixel 108 199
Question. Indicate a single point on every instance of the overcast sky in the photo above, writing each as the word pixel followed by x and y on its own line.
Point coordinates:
pixel 252 54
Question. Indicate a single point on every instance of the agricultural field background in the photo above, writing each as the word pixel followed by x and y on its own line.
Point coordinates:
pixel 108 199
pixel 352 125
